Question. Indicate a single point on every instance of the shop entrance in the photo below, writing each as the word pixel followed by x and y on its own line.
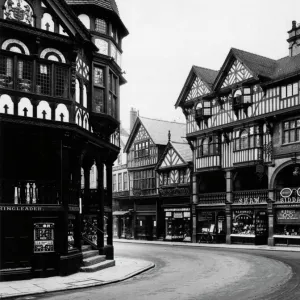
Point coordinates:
pixel 145 227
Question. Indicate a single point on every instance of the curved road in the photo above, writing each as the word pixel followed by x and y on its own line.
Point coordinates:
pixel 198 273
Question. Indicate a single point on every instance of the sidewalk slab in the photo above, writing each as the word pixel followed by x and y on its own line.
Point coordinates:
pixel 124 269
pixel 212 245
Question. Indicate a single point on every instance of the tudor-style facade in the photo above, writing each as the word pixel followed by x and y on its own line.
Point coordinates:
pixel 144 147
pixel 244 132
pixel 174 171
pixel 53 122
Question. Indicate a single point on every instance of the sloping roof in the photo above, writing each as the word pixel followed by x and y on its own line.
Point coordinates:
pixel 208 76
pixel 260 65
pixel 287 66
pixel 107 4
pixel 183 150
pixel 158 130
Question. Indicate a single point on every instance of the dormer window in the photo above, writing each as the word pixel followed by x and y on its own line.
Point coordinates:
pixel 242 97
pixel 203 110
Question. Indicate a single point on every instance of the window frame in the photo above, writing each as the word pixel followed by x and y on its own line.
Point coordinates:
pixel 284 90
pixel 289 130
pixel 213 146
pixel 252 139
pixel 141 149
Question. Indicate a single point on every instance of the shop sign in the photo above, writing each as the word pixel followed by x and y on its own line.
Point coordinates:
pixel 244 214
pixel 177 215
pixel 288 216
pixel 289 195
pixel 21 208
pixel 177 209
pixel 43 237
pixel 250 200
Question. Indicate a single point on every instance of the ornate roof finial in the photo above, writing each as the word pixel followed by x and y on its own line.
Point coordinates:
pixel 169 136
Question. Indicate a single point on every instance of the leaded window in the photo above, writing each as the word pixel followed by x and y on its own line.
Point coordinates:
pixel 100 26
pixel 291 131
pixel 289 90
pixel 208 146
pixel 6 71
pixel 125 181
pixel 120 182
pixel 141 149
pixel 43 79
pixel 61 81
pixel 247 138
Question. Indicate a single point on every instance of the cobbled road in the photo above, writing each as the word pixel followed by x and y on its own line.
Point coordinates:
pixel 183 272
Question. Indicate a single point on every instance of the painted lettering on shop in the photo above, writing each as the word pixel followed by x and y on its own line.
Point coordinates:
pixel 290 200
pixel 20 208
pixel 249 200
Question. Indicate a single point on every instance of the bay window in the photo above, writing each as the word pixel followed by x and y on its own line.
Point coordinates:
pixel 247 138
pixel 208 146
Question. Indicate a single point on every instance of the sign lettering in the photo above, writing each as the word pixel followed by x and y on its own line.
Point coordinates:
pixel 249 200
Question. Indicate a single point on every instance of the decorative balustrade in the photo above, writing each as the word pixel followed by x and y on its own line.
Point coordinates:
pixel 250 197
pixel 212 198
pixel 36 192
pixel 175 191
pixel 211 161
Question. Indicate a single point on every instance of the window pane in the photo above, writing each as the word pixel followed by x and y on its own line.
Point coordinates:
pixel 61 82
pixel 98 101
pixel 251 141
pixel 100 26
pixel 286 125
pixel 292 124
pixel 98 76
pixel 43 79
pixel 289 92
pixel 298 135
pixel 295 88
pixel 24 75
pixel 205 147
pixel 237 144
pixel 292 136
pixel 109 105
pixel 283 92
pixel 286 137
pixel 247 91
pixel 244 140
pixel 298 123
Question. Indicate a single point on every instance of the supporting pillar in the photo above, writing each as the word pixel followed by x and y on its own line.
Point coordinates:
pixel 195 192
pixel 271 218
pixel 229 200
pixel 109 249
pixel 100 209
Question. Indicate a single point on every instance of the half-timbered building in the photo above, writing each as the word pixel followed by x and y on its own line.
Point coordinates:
pixel 243 128
pixel 174 169
pixel 59 112
pixel 146 143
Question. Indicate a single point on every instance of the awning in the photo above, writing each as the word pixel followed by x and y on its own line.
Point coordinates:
pixel 120 212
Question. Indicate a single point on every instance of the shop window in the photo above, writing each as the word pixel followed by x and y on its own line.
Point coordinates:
pixel 291 131
pixel 141 149
pixel 100 26
pixel 243 222
pixel 289 90
pixel 208 146
pixel 71 233
pixel 247 138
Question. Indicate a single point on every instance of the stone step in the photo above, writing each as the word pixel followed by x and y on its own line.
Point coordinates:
pixel 93 260
pixel 86 248
pixel 100 266
pixel 89 253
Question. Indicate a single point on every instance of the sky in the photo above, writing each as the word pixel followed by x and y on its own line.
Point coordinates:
pixel 167 37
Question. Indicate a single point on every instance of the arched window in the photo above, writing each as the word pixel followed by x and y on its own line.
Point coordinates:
pixel 244 141
pixel 208 146
pixel 47 22
pixel 24 11
pixel 15 46
pixel 85 20
pixel 84 102
pixel 53 54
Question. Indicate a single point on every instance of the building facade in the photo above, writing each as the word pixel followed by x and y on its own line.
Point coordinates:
pixel 174 170
pixel 243 128
pixel 59 112
pixel 145 145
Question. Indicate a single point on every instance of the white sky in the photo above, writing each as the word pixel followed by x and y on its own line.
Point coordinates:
pixel 167 37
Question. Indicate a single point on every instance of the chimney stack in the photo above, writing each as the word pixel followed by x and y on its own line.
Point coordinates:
pixel 133 116
pixel 294 39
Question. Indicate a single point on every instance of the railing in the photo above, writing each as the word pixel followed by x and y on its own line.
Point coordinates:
pixel 36 192
pixel 89 232
pixel 212 198
pixel 250 197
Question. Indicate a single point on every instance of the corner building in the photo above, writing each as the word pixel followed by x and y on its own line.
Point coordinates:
pixel 243 125
pixel 60 74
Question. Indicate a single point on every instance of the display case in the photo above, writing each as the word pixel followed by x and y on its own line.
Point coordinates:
pixel 43 237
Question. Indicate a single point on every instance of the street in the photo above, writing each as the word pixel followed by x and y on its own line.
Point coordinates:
pixel 184 272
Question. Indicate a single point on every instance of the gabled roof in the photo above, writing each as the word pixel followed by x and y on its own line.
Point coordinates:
pixel 181 148
pixel 286 67
pixel 158 131
pixel 259 66
pixel 208 77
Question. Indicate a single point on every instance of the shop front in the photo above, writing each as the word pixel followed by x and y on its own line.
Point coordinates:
pixel 211 225
pixel 123 224
pixel 287 218
pixel 177 224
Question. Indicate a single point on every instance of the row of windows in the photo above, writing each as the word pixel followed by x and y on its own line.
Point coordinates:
pixel 141 149
pixel 181 178
pixel 144 179
pixel 122 183
pixel 289 90
pixel 291 131
pixel 208 146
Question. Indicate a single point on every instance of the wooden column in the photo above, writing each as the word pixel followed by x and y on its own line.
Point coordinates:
pixel 109 249
pixel 271 218
pixel 1 161
pixel 100 211
pixel 229 200
pixel 194 202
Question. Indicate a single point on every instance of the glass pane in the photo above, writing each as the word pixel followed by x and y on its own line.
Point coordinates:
pixel 61 82
pixel 298 135
pixel 43 79
pixel 286 125
pixel 24 75
pixel 205 147
pixel 289 92
pixel 251 141
pixel 98 106
pixel 295 88
pixel 237 144
pixel 292 136
pixel 109 105
pixel 100 26
pixel 292 124
pixel 283 92
pixel 286 137
pixel 98 76
pixel 247 91
pixel 298 123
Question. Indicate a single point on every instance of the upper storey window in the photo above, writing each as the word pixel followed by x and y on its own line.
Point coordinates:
pixel 98 103
pixel 242 97
pixel 248 138
pixel 208 146
pixel 291 131
pixel 18 10
pixel 141 149
pixel 289 90
pixel 85 20
pixel 100 26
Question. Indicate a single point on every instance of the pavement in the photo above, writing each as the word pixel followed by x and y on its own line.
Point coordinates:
pixel 125 268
